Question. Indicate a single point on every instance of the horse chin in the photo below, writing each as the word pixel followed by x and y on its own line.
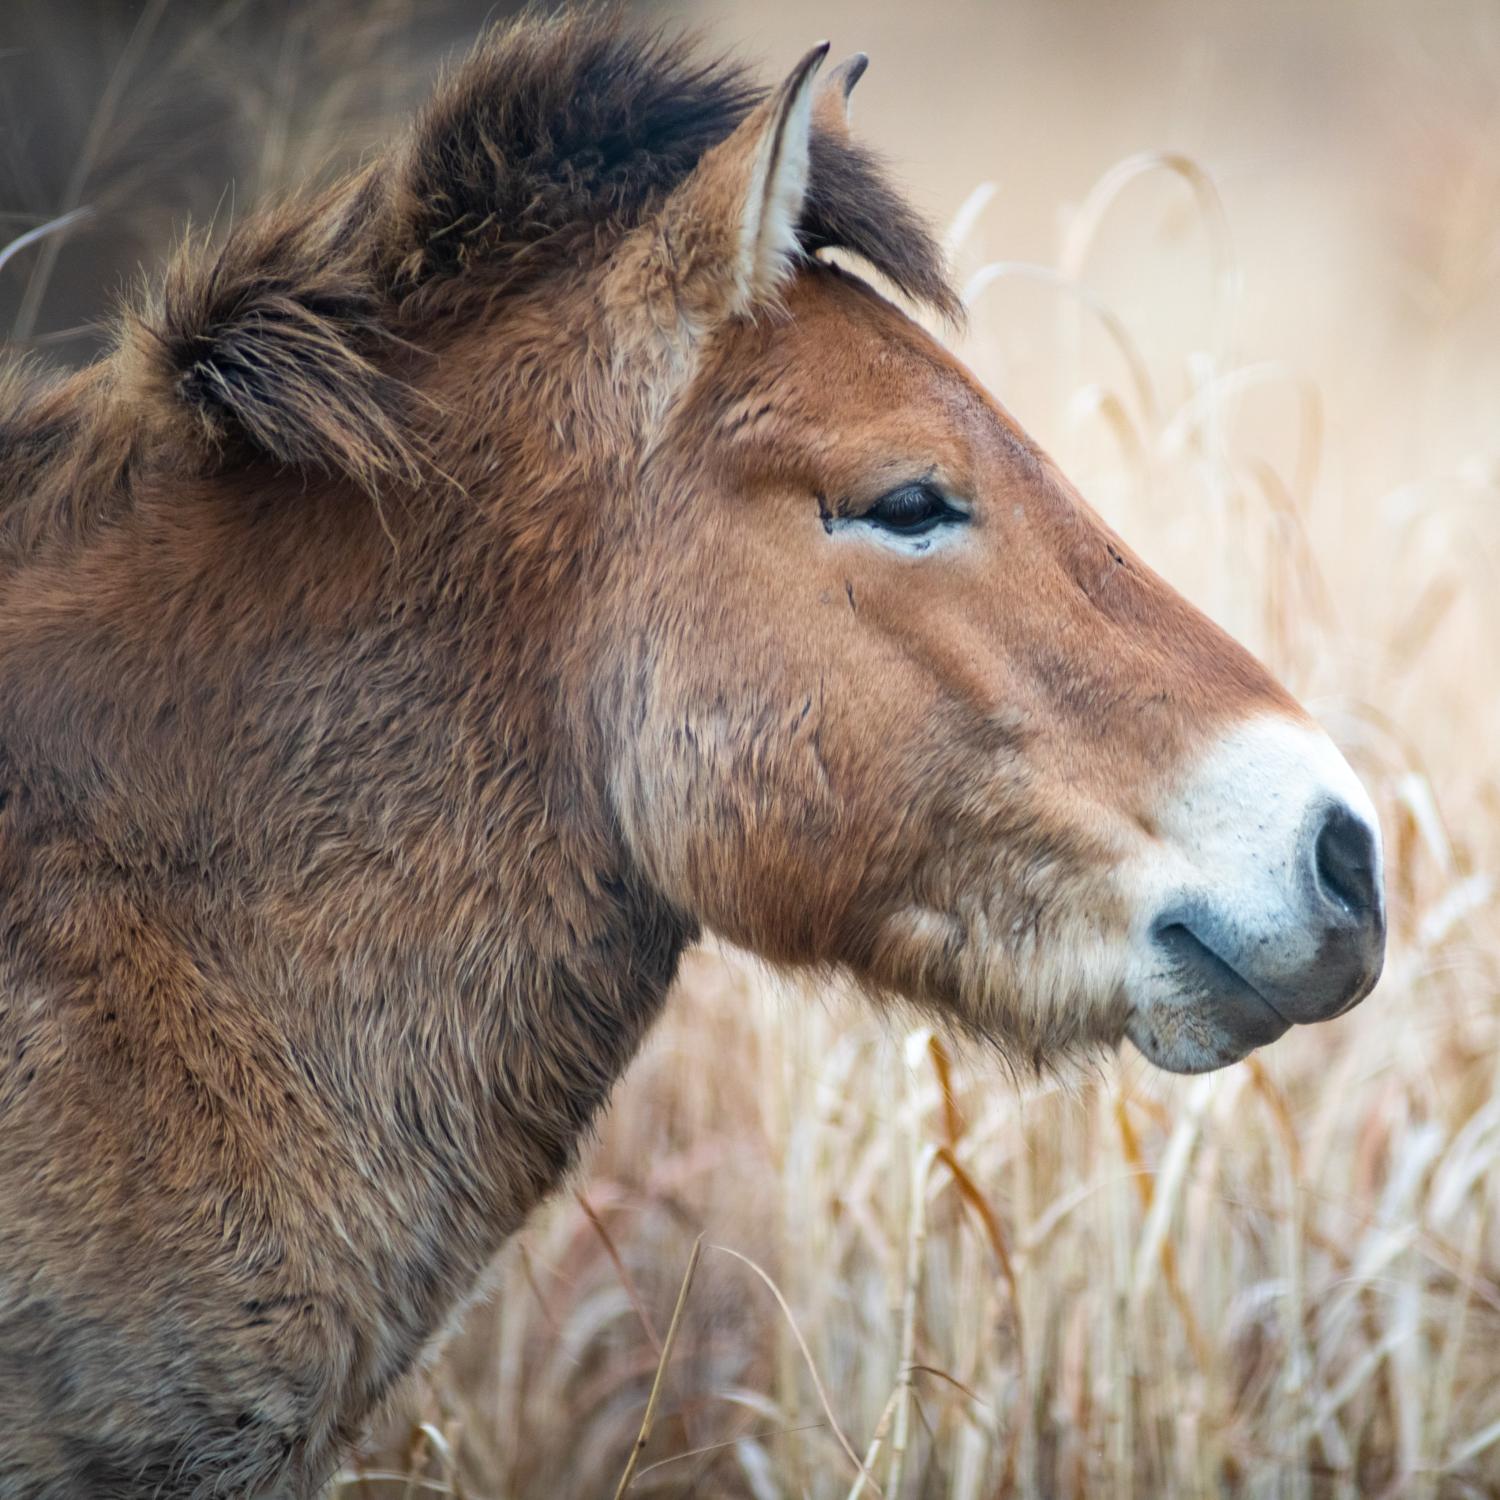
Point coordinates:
pixel 1039 1004
pixel 1197 1033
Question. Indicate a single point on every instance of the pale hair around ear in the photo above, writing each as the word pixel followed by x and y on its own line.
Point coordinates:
pixel 778 185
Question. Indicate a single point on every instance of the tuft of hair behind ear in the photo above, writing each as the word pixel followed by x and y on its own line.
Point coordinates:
pixel 851 205
pixel 272 344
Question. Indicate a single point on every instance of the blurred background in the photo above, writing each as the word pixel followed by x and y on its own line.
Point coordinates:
pixel 1238 267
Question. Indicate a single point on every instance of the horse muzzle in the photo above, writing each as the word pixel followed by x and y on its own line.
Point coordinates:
pixel 1274 910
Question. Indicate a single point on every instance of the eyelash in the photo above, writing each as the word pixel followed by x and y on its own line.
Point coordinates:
pixel 913 510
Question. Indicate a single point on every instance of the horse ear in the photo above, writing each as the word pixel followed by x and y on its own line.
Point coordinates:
pixel 831 107
pixel 729 232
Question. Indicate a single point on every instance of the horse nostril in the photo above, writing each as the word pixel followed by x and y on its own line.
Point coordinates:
pixel 1345 863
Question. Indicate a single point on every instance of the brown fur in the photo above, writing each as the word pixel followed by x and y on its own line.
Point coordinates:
pixel 414 633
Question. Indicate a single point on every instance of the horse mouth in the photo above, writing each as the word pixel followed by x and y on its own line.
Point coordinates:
pixel 1213 1016
pixel 1201 970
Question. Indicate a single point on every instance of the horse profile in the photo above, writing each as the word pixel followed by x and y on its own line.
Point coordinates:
pixel 455 591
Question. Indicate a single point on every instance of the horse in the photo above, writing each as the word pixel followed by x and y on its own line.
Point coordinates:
pixel 455 590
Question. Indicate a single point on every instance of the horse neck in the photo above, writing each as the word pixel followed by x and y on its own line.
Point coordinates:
pixel 499 957
pixel 493 966
pixel 353 777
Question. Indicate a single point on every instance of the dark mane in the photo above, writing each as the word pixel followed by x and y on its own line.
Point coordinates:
pixel 550 134
pixel 552 139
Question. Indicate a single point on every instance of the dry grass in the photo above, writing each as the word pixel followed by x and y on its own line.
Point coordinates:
pixel 919 1277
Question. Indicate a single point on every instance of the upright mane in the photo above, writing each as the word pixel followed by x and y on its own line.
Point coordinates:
pixel 548 137
pixel 288 340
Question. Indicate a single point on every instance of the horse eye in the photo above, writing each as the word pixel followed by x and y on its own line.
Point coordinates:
pixel 910 511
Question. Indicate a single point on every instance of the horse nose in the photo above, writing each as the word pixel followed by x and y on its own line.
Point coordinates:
pixel 1317 956
pixel 1346 868
pixel 1346 914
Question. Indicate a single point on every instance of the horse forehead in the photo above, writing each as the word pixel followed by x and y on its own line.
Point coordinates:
pixel 839 317
pixel 840 352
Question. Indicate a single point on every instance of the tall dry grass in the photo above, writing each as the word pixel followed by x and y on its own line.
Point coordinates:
pixel 912 1275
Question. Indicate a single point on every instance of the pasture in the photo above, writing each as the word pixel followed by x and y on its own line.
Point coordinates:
pixel 1253 310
